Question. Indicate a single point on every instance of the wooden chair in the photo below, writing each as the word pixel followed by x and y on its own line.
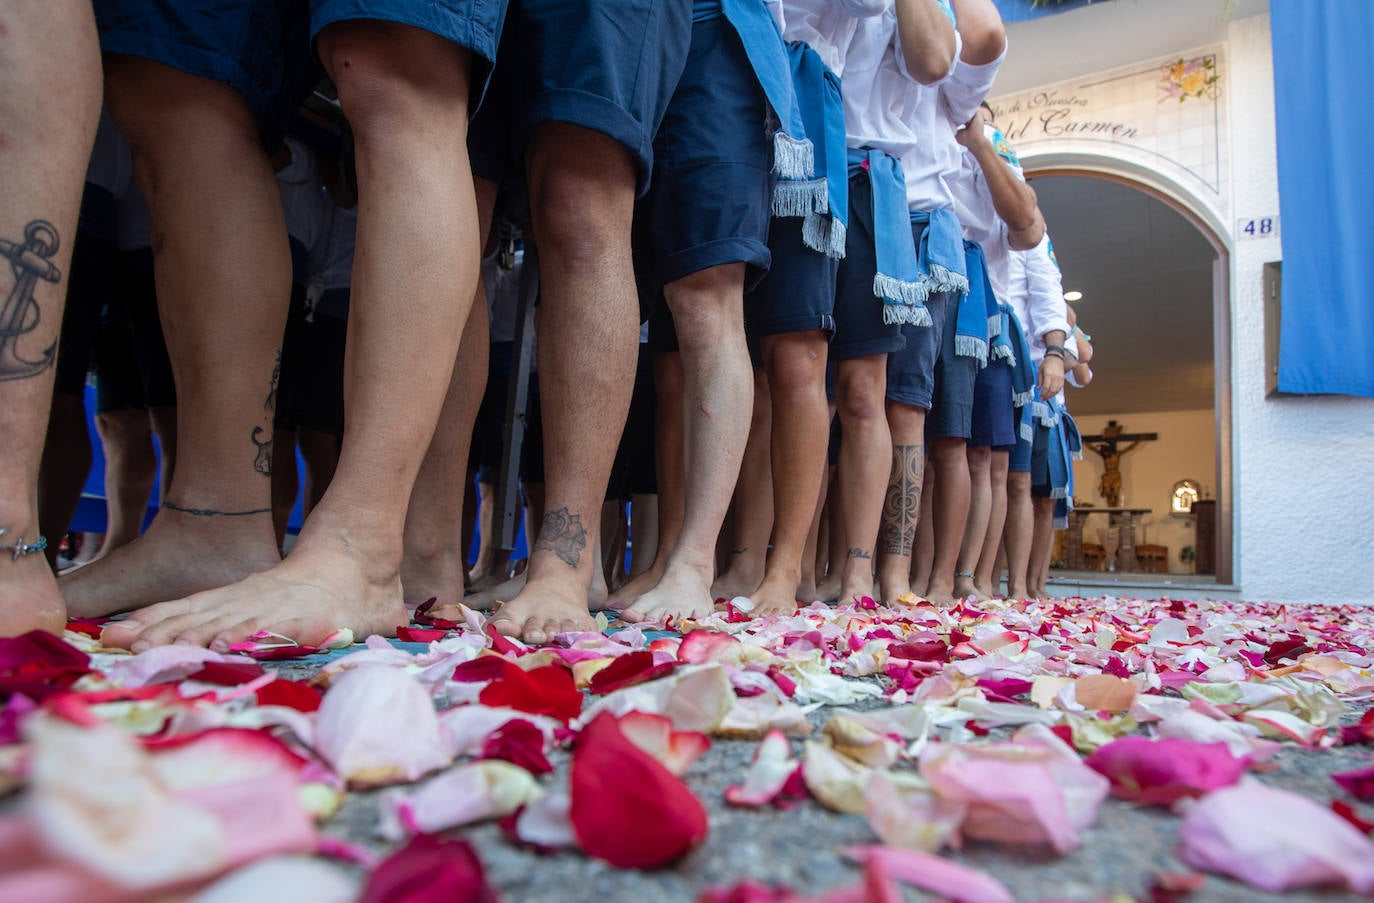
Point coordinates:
pixel 1153 559
pixel 1094 556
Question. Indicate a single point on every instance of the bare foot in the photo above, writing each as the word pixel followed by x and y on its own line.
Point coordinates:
pixel 775 597
pixel 598 593
pixel 332 580
pixel 181 554
pixel 829 590
pixel 806 590
pixel 31 599
pixel 965 588
pixel 941 598
pixel 892 588
pixel 855 589
pixel 486 599
pixel 629 594
pixel 1017 591
pixel 545 608
pixel 684 592
pixel 736 581
pixel 433 576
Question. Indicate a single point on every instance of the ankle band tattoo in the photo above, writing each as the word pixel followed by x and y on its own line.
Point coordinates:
pixel 20 548
pixel 211 512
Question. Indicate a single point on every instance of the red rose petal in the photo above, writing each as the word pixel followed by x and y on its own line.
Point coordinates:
pixel 430 870
pixel 628 670
pixel 1161 772
pixel 420 634
pixel 39 665
pixel 627 809
pixel 292 694
pixel 1348 812
pixel 549 690
pixel 422 616
pixel 926 651
pixel 500 642
pixel 228 674
pixel 519 743
pixel 1359 784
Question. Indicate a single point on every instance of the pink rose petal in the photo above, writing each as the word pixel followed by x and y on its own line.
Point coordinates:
pixel 934 874
pixel 1161 772
pixel 768 773
pixel 378 726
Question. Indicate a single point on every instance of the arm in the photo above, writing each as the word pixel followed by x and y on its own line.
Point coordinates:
pixel 927 40
pixel 980 25
pixel 1014 200
pixel 1051 376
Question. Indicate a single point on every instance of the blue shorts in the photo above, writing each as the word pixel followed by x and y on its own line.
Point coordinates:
pixel 261 48
pixel 1041 484
pixel 951 411
pixel 992 408
pixel 610 66
pixel 859 327
pixel 911 371
pixel 798 294
pixel 1020 461
pixel 711 198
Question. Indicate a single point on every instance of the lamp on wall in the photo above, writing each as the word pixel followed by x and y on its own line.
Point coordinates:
pixel 1184 494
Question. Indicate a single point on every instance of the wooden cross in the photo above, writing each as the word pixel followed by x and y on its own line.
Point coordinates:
pixel 1107 446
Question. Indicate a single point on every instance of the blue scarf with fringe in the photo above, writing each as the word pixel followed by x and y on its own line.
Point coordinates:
pixel 898 278
pixel 979 320
pixel 940 251
pixel 793 153
pixel 1065 447
pixel 1010 346
pixel 823 201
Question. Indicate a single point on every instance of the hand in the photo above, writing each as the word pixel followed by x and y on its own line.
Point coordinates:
pixel 1051 376
pixel 972 133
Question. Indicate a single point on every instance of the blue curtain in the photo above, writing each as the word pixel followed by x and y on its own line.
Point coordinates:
pixel 1023 10
pixel 1323 76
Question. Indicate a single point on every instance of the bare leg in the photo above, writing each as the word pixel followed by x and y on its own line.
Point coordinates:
pixel 164 422
pixel 66 463
pixel 812 564
pixel 753 521
pixel 321 454
pixel 130 470
pixel 833 537
pixel 796 375
pixel 435 558
pixel 582 190
pixel 976 527
pixel 708 310
pixel 503 589
pixel 951 511
pixel 902 506
pixel 643 532
pixel 50 68
pixel 415 270
pixel 669 454
pixel 865 458
pixel 923 552
pixel 986 576
pixel 1019 532
pixel 482 573
pixel 1042 544
pixel 196 148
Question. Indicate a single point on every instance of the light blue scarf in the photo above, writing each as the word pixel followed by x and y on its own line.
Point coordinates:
pixel 823 201
pixel 979 319
pixel 793 154
pixel 940 251
pixel 898 277
pixel 1010 346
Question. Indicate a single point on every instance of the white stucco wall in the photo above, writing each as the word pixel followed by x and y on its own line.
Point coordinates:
pixel 1304 506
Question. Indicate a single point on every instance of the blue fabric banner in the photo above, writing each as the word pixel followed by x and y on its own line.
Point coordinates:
pixel 1323 72
pixel 1022 10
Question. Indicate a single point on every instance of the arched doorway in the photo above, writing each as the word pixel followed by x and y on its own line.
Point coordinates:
pixel 1154 270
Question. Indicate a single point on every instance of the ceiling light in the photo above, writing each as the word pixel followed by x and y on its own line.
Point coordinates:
pixel 1073 296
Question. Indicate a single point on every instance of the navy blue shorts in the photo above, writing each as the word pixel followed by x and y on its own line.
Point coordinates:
pixel 133 371
pixel 798 294
pixel 711 198
pixel 911 371
pixel 261 48
pixel 951 410
pixel 1041 484
pixel 606 65
pixel 993 412
pixel 859 327
pixel 310 393
pixel 1020 461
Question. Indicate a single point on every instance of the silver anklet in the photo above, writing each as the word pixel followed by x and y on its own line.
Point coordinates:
pixel 20 549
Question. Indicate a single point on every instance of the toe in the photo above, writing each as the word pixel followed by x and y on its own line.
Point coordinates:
pixel 534 632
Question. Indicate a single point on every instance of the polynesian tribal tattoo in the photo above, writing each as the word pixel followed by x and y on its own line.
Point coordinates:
pixel 210 512
pixel 20 313
pixel 859 553
pixel 902 506
pixel 263 462
pixel 562 534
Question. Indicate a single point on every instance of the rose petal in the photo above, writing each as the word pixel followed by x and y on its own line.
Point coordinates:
pixel 282 879
pixel 549 690
pixel 520 743
pixel 1275 840
pixel 546 822
pixel 700 646
pixel 694 698
pixel 38 665
pixel 430 870
pixel 627 809
pixel 477 791
pixel 1161 772
pixel 911 818
pixel 835 781
pixel 675 750
pixel 292 694
pixel 628 670
pixel 378 726
pixel 1359 784
pixel 934 874
pixel 768 773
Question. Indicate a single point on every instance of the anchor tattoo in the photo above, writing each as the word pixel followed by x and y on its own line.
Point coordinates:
pixel 20 313
pixel 263 462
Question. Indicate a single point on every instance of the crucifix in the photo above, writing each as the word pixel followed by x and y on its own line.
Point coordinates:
pixel 1108 446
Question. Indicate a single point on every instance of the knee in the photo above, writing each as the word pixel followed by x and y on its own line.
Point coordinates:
pixel 979 459
pixel 795 362
pixel 949 450
pixel 1018 483
pixel 391 79
pixel 860 396
pixel 122 428
pixel 576 225
pixel 708 306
